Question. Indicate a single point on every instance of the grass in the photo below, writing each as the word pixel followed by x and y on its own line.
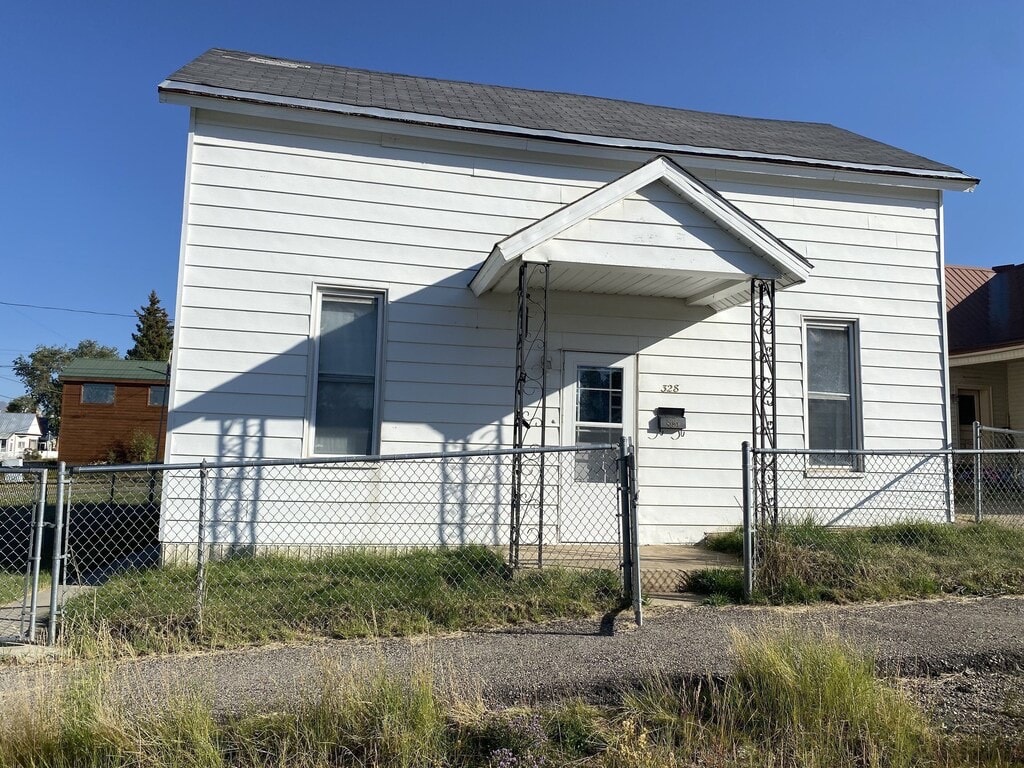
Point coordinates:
pixel 794 701
pixel 721 586
pixel 808 563
pixel 728 543
pixel 355 594
pixel 12 587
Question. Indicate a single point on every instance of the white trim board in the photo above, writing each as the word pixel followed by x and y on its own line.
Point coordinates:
pixel 989 356
pixel 782 261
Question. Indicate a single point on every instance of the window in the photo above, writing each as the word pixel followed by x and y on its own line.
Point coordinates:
pixel 832 408
pixel 348 355
pixel 158 395
pixel 598 418
pixel 101 394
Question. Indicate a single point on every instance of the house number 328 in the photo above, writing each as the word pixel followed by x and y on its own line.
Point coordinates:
pixel 669 387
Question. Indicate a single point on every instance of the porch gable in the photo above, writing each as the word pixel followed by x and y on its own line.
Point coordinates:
pixel 657 231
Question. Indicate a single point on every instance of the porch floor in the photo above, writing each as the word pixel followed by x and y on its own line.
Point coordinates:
pixel 663 567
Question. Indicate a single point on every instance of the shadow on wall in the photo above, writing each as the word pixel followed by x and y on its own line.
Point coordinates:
pixel 261 413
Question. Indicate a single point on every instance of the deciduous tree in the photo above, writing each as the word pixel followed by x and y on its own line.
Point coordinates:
pixel 40 373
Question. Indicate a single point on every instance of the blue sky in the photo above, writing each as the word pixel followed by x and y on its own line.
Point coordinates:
pixel 93 164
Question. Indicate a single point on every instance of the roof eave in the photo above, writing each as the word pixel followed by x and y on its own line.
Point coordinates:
pixel 177 92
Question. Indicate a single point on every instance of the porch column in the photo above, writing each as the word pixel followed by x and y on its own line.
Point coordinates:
pixel 529 410
pixel 764 432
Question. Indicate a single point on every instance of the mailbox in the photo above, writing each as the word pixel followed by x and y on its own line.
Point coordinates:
pixel 670 419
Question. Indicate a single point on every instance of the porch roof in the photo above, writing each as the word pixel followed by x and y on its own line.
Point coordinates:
pixel 625 239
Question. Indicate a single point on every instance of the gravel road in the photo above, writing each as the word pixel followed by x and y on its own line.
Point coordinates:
pixel 939 640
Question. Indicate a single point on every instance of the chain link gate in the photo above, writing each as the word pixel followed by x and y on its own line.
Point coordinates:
pixel 22 512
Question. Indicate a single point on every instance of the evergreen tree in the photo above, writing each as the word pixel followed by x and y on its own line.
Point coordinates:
pixel 154 332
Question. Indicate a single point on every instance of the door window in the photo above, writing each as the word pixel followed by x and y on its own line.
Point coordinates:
pixel 598 418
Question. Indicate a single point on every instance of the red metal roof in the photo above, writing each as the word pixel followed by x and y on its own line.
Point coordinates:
pixel 961 282
pixel 984 307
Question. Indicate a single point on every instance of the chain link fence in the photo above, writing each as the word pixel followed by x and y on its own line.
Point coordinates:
pixel 22 499
pixel 995 473
pixel 884 524
pixel 229 553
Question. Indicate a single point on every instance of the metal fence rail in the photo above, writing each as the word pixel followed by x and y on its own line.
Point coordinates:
pixel 849 524
pixel 217 552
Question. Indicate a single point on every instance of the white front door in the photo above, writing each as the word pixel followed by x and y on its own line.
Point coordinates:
pixel 598 407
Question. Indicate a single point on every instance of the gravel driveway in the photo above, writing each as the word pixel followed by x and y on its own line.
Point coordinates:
pixel 939 639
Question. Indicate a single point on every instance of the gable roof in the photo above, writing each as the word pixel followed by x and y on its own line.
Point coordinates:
pixel 90 369
pixel 790 266
pixel 984 307
pixel 238 75
pixel 17 423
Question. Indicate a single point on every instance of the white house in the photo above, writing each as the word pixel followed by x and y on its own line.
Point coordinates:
pixel 353 244
pixel 19 432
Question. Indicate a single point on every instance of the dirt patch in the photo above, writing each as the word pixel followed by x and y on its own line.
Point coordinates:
pixel 973 702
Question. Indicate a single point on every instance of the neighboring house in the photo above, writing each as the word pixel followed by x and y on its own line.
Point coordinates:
pixel 985 315
pixel 351 251
pixel 105 403
pixel 19 432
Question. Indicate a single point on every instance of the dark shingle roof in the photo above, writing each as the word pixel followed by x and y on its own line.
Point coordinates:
pixel 90 369
pixel 538 110
pixel 984 307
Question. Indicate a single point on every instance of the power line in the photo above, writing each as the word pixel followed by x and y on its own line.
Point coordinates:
pixel 66 309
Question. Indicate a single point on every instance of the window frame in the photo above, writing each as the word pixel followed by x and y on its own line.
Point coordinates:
pixel 320 293
pixel 852 328
pixel 149 396
pixel 87 384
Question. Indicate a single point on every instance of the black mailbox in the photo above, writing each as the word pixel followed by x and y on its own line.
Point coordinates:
pixel 670 419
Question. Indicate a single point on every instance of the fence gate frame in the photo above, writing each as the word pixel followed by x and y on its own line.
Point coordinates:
pixel 28 552
pixel 630 535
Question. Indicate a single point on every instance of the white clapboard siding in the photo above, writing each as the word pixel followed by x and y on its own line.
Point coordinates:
pixel 276 209
pixel 1015 393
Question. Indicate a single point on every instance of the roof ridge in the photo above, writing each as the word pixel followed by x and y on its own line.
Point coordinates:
pixel 233 75
pixel 542 91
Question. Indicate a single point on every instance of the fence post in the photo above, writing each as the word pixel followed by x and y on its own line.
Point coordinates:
pixel 201 553
pixel 56 569
pixel 37 556
pixel 626 504
pixel 748 523
pixel 976 430
pixel 950 493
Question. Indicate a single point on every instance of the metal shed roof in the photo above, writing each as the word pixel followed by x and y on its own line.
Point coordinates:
pixel 90 369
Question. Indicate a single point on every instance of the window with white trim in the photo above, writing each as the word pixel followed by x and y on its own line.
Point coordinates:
pixel 345 418
pixel 158 395
pixel 833 410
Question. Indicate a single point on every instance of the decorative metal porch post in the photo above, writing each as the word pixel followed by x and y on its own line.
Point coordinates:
pixel 528 479
pixel 765 422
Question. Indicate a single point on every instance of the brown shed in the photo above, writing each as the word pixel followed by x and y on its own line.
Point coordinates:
pixel 107 405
